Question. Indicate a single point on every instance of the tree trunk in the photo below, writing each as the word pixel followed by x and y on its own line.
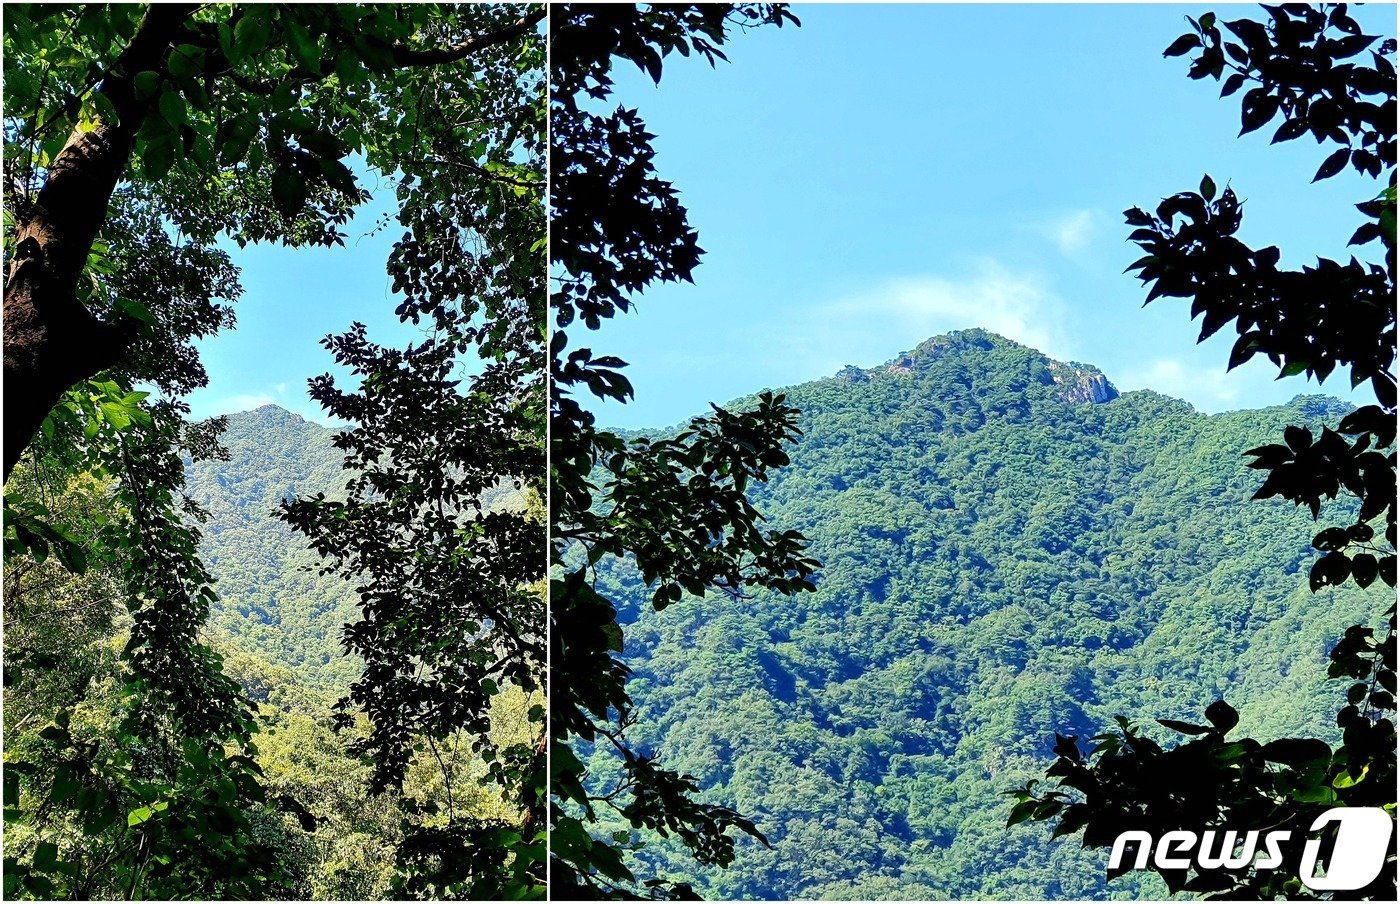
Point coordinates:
pixel 51 341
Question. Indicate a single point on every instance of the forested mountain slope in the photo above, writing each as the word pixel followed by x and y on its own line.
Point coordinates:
pixel 278 623
pixel 1011 548
pixel 272 601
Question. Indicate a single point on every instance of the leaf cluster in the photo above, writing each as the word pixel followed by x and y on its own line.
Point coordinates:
pixel 1129 782
pixel 677 506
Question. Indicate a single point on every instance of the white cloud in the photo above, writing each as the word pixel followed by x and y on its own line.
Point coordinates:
pixel 245 402
pixel 870 326
pixel 1210 388
pixel 203 404
pixel 1015 305
pixel 1071 232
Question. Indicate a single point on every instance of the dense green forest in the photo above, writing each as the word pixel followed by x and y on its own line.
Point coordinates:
pixel 274 602
pixel 277 625
pixel 1010 548
pixel 254 657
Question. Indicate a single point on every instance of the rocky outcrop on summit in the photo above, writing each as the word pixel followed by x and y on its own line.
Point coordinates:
pixel 1075 383
pixel 1081 384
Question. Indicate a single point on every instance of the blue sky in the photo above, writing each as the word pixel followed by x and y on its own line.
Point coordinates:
pixel 292 298
pixel 886 173
pixel 880 175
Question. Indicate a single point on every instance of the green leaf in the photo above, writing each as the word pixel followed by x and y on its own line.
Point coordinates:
pixel 1347 780
pixel 146 83
pixel 306 49
pixel 1230 753
pixel 99 818
pixel 72 556
pixel 235 143
pixel 45 856
pixel 339 177
pixel 1222 715
pixel 288 191
pixel 1332 538
pixel 186 61
pixel 157 156
pixel 348 69
pixel 135 310
pixel 1329 571
pixel 1185 728
pixel 251 33
pixel 1314 794
pixel 21 89
pixel 116 415
pixel 32 542
pixel 321 143
pixel 1022 811
pixel 1364 569
pixel 172 107
pixel 40 886
pixel 1296 752
pixel 1208 188
pixel 1257 108
pixel 138 816
pixel 609 863
pixel 55 734
pixel 1333 165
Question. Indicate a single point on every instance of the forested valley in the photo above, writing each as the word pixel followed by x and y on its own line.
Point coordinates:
pixel 1010 548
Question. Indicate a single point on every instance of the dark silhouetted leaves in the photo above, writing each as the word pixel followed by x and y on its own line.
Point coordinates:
pixel 678 505
pixel 1181 45
pixel 1333 165
pixel 1309 322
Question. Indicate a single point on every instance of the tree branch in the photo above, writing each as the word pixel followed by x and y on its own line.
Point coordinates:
pixel 51 340
pixel 434 56
pixel 475 168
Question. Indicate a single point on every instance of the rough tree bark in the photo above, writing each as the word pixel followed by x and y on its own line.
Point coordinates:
pixel 51 340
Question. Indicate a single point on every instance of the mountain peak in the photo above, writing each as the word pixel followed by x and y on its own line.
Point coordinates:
pixel 1078 383
pixel 272 416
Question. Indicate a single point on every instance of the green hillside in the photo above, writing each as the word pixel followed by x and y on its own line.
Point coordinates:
pixel 1011 548
pixel 272 600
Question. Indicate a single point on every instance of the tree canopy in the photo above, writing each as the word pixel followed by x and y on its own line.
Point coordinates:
pixel 235 120
pixel 998 553
pixel 136 137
